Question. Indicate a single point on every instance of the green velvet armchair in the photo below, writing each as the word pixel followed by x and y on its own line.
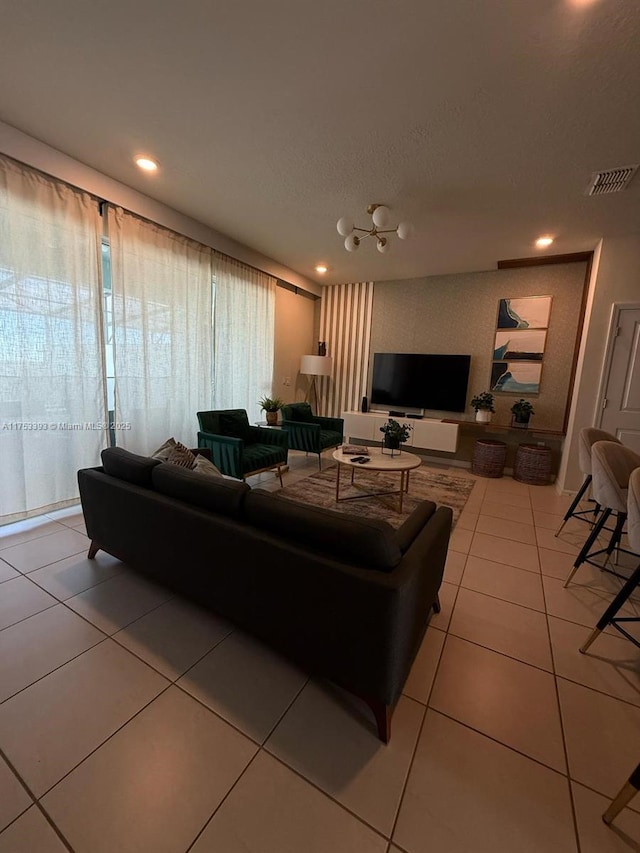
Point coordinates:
pixel 239 449
pixel 309 432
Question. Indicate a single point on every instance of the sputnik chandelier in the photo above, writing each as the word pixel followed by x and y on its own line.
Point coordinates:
pixel 380 215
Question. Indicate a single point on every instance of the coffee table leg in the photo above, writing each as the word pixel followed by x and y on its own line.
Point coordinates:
pixel 406 481
pixel 401 489
pixel 353 471
pixel 338 484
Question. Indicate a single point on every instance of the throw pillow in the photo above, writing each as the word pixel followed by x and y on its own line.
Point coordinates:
pixel 182 456
pixel 164 451
pixel 203 466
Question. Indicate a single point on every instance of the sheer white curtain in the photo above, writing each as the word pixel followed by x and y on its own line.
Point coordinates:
pixel 162 292
pixel 52 389
pixel 244 336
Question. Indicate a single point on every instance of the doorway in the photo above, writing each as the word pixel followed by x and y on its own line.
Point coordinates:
pixel 620 395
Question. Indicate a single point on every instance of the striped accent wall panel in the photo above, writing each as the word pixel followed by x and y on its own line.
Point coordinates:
pixel 345 324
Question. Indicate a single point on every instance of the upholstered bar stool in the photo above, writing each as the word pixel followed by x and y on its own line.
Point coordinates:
pixel 588 437
pixel 624 797
pixel 612 464
pixel 488 457
pixel 609 616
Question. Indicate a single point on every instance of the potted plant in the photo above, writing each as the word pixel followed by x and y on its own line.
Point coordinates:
pixel 521 411
pixel 395 434
pixel 271 405
pixel 483 405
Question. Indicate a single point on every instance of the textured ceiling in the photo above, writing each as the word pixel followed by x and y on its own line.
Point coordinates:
pixel 479 121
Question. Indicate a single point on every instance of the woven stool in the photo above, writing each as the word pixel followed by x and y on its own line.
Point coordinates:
pixel 488 457
pixel 532 465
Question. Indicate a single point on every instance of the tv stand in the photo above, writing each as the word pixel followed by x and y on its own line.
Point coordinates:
pixel 428 434
pixel 397 414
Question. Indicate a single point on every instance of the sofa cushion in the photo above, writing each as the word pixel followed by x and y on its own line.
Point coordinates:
pixel 329 438
pixel 120 463
pixel 259 456
pixel 365 541
pixel 216 494
pixel 301 412
pixel 235 424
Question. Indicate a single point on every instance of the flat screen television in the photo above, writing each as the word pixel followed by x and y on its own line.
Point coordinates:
pixel 420 381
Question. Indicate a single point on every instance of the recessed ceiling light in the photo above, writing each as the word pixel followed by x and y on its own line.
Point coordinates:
pixel 146 164
pixel 321 268
pixel 543 242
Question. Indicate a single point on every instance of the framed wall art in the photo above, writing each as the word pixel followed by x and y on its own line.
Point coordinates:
pixel 519 344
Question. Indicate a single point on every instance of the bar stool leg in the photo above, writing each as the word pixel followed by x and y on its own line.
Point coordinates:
pixel 612 609
pixel 583 488
pixel 616 536
pixel 584 553
pixel 624 797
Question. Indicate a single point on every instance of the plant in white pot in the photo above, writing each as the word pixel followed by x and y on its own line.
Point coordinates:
pixel 271 405
pixel 483 406
pixel 521 411
pixel 395 434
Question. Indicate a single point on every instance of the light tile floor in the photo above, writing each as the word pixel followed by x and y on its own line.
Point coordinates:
pixel 131 720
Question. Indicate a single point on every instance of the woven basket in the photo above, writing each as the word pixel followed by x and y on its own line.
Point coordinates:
pixel 532 465
pixel 488 457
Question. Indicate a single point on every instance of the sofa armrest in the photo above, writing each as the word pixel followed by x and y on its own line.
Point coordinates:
pixel 412 526
pixel 334 424
pixel 262 435
pixel 226 452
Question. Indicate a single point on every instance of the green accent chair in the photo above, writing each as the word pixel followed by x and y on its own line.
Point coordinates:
pixel 239 449
pixel 310 432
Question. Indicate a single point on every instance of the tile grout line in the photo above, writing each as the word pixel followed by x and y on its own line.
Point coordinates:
pixel 35 802
pixel 31 538
pixel 105 741
pixel 422 725
pixel 565 749
pixel 263 748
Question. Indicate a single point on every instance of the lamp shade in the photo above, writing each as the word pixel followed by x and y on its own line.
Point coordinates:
pixel 316 365
pixel 381 216
pixel 344 226
pixel 405 230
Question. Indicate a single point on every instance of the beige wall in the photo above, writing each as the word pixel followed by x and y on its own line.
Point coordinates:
pixel 457 314
pixel 294 337
pixel 615 279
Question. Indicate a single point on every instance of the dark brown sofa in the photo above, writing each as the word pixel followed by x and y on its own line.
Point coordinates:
pixel 347 598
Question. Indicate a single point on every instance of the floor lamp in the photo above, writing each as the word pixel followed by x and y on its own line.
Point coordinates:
pixel 315 365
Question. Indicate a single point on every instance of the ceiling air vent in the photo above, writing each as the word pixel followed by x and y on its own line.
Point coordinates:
pixel 611 181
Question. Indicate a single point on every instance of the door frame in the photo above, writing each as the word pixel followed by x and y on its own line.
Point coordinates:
pixel 616 310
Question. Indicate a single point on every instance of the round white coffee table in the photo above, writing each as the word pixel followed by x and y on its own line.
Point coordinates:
pixel 378 461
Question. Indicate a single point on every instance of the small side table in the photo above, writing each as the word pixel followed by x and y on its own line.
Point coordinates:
pixel 488 457
pixel 532 465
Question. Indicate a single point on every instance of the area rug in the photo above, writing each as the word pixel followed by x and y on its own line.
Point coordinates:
pixel 424 485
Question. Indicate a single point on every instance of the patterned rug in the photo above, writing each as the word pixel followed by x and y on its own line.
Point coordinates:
pixel 424 484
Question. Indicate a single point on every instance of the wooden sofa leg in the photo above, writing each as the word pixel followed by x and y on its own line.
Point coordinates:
pixel 93 550
pixel 436 604
pixel 383 714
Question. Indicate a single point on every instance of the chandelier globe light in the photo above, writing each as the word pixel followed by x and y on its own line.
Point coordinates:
pixel 380 219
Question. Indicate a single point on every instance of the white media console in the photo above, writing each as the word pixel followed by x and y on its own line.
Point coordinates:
pixel 427 433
